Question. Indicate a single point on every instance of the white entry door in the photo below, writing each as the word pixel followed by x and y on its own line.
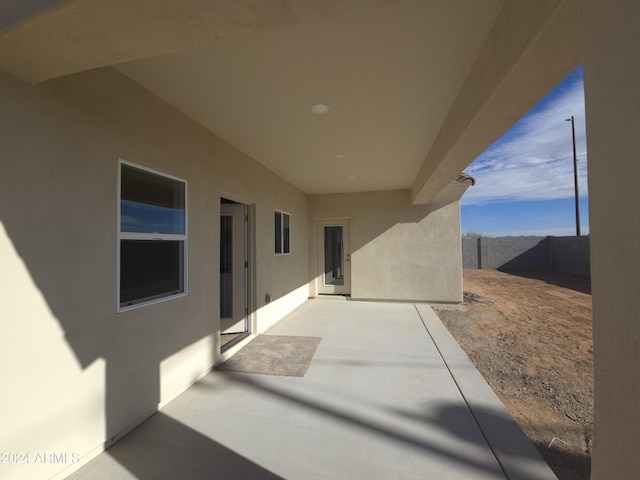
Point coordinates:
pixel 334 257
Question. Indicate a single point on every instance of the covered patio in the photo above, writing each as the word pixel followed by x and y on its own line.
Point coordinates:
pixel 388 394
pixel 218 98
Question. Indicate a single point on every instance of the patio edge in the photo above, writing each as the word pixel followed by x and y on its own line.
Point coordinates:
pixel 514 452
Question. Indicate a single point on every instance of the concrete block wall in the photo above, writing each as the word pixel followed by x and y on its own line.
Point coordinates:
pixel 515 253
pixel 564 254
pixel 571 254
pixel 470 253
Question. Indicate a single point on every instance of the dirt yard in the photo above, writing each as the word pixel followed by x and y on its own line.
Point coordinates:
pixel 530 336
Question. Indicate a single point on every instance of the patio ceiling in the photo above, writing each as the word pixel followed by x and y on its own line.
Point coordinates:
pixel 415 88
pixel 389 75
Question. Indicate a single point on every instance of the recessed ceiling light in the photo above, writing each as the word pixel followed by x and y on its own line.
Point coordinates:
pixel 339 156
pixel 320 108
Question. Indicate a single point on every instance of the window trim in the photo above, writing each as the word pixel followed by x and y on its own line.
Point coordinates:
pixel 282 230
pixel 151 236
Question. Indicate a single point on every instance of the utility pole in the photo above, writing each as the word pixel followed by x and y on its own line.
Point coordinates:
pixel 575 173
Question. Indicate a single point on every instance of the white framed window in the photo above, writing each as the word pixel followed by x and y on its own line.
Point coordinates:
pixel 282 228
pixel 152 236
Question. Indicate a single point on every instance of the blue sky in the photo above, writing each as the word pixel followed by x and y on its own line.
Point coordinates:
pixel 524 181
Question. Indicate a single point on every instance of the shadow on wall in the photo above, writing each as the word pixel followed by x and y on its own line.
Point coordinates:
pixel 60 141
pixel 58 208
pixel 399 251
pixel 528 254
pixel 372 214
pixel 535 258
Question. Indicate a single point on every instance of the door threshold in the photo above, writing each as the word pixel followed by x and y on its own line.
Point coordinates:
pixel 332 296
pixel 231 339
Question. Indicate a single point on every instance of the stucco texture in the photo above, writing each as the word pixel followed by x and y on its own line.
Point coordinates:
pixel 399 251
pixel 80 373
pixel 612 96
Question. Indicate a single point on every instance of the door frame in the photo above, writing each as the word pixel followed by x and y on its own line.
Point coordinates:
pixel 237 322
pixel 321 286
pixel 249 254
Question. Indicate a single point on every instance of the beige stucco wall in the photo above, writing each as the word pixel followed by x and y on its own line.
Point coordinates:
pixel 612 97
pixel 399 251
pixel 78 374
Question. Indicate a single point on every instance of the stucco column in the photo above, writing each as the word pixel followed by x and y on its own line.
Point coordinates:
pixel 612 91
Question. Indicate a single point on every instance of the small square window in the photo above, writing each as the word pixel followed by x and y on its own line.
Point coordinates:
pixel 152 236
pixel 282 227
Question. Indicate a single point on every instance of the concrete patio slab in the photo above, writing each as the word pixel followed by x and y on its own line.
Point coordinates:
pixel 389 394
